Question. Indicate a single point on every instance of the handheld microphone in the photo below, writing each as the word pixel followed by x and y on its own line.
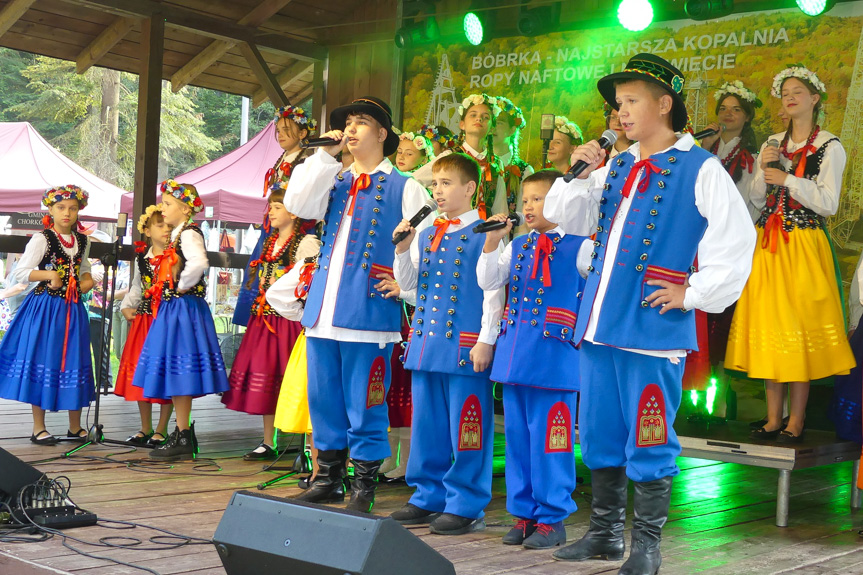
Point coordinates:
pixel 774 143
pixel 319 142
pixel 706 133
pixel 427 208
pixel 608 138
pixel 517 218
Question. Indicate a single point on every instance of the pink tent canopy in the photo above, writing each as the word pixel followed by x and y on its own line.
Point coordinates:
pixel 233 185
pixel 29 165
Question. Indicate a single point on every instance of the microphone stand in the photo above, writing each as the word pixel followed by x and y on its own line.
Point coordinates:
pixel 109 262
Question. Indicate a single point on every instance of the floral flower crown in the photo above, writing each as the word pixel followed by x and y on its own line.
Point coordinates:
pixel 797 71
pixel 508 107
pixel 298 115
pixel 476 100
pixel 568 127
pixel 186 193
pixel 422 143
pixel 144 220
pixel 53 195
pixel 431 132
pixel 736 88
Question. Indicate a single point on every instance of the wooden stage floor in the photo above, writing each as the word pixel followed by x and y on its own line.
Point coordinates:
pixel 721 519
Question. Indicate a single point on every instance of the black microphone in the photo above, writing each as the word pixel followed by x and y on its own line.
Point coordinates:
pixel 706 133
pixel 319 142
pixel 608 138
pixel 427 208
pixel 517 218
pixel 773 143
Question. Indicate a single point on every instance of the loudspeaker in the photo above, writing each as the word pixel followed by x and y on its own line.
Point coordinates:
pixel 15 474
pixel 263 534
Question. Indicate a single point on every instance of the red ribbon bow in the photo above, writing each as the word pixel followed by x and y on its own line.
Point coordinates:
pixel 801 164
pixel 633 173
pixel 268 179
pixel 163 264
pixel 71 298
pixel 745 158
pixel 441 225
pixel 305 282
pixel 140 247
pixel 360 183
pixel 544 247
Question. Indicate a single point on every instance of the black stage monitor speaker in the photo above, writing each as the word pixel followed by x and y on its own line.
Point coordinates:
pixel 260 534
pixel 15 474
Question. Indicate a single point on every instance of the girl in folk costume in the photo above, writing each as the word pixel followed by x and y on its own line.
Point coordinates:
pixel 256 375
pixel 479 114
pixel 137 307
pixel 45 356
pixel 181 358
pixel 788 327
pixel 506 137
pixel 567 136
pixel 734 143
pixel 414 151
pixel 293 125
pixel 440 136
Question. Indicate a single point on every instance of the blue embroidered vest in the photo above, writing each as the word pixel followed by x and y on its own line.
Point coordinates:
pixel 448 316
pixel 535 346
pixel 659 242
pixel 369 252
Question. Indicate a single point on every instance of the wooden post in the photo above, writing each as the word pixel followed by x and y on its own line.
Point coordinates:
pixel 319 95
pixel 397 86
pixel 149 111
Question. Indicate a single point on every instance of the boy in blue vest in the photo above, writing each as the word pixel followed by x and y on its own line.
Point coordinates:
pixel 535 359
pixel 449 352
pixel 653 208
pixel 350 326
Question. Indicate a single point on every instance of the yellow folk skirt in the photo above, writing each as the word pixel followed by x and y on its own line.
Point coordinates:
pixel 788 325
pixel 292 409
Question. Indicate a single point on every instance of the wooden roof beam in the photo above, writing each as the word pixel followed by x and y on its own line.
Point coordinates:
pixel 265 76
pixel 284 78
pixel 12 12
pixel 209 55
pixel 103 43
pixel 219 29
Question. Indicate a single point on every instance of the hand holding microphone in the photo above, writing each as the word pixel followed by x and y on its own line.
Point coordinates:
pixel 774 175
pixel 589 155
pixel 406 230
pixel 332 142
pixel 496 228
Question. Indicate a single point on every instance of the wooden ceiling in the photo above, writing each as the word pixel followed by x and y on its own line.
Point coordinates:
pixel 205 40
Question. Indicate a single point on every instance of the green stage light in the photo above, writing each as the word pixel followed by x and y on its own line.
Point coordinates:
pixel 635 15
pixel 711 395
pixel 814 7
pixel 473 29
pixel 693 397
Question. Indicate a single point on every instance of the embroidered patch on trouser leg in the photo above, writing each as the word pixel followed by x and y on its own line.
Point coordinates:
pixel 470 428
pixel 652 426
pixel 558 431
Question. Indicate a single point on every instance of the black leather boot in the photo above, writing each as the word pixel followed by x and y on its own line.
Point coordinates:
pixel 180 446
pixel 651 504
pixel 364 484
pixel 604 538
pixel 328 486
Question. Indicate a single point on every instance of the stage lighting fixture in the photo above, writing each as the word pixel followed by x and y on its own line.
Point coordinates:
pixel 540 20
pixel 473 28
pixel 635 15
pixel 815 7
pixel 417 33
pixel 708 9
pixel 419 25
